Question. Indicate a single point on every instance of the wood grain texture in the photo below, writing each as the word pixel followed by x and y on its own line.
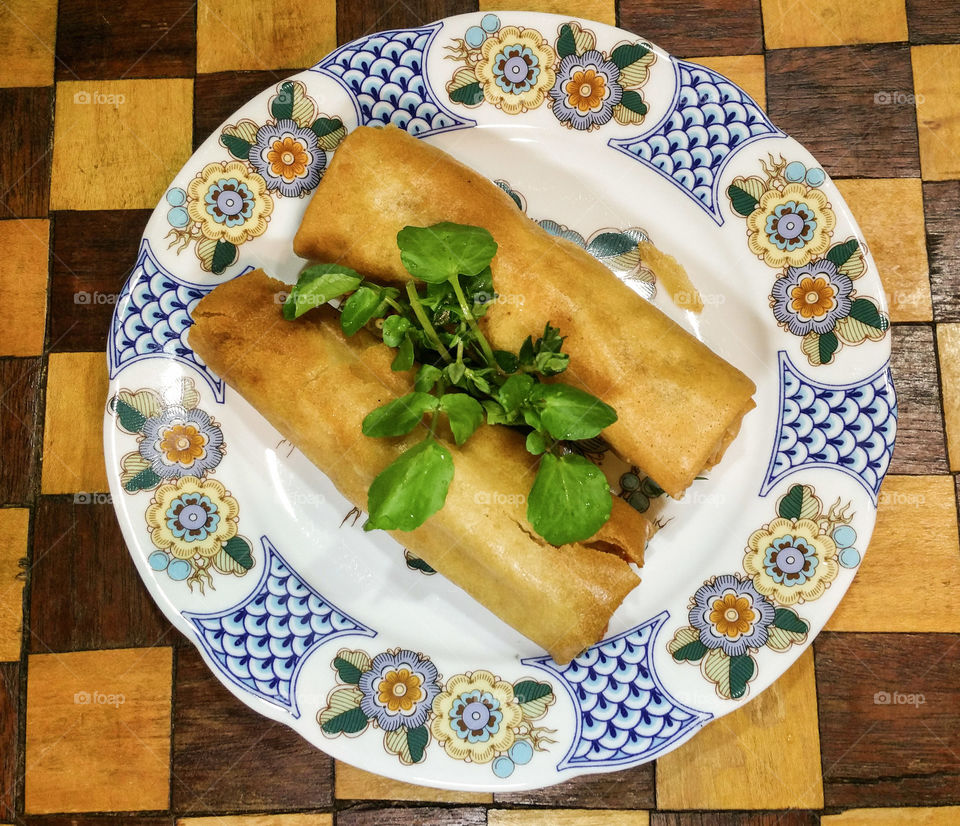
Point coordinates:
pixel 73 430
pixel 93 820
pixel 107 712
pixel 93 254
pixel 932 21
pixel 23 286
pixel 909 506
pixel 791 817
pixel 118 143
pixel 317 819
pixel 14 530
pixel 709 27
pixel 604 11
pixel 921 447
pixel 405 816
pixel 20 428
pixel 357 19
pixel 890 213
pixel 877 752
pixel 566 817
pixel 99 39
pixel 352 783
pixel 229 758
pixel 788 24
pixel 778 728
pixel 10 782
pixel 941 816
pixel 828 102
pixel 632 789
pixel 25 152
pixel 936 78
pixel 948 342
pixel 28 30
pixel 747 71
pixel 263 35
pixel 75 606
pixel 941 206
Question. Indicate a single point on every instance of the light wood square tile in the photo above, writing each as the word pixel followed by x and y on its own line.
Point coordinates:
pixel 73 432
pixel 939 816
pixel 14 526
pixel 264 35
pixel 568 817
pixel 773 741
pixel 118 143
pixel 98 731
pixel 936 79
pixel 746 70
pixel 890 213
pixel 356 784
pixel 23 286
pixel 604 11
pixel 319 819
pixel 791 24
pixel 948 340
pixel 914 550
pixel 28 31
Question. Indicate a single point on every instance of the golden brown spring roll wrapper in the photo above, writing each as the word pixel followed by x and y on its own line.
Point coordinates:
pixel 315 386
pixel 679 404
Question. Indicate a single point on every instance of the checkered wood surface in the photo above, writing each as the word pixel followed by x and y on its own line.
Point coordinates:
pixel 76 184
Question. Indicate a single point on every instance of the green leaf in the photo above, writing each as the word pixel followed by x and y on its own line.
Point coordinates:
pixel 531 417
pixel 417 739
pixel 551 364
pixel 442 251
pixel 865 311
pixel 611 244
pixel 570 413
pixel 634 102
pixel 827 346
pixel 506 361
pixel 237 147
pixel 496 414
pixel 570 499
pixel 455 371
pixel 515 391
pixel 317 285
pixel 224 254
pixel 395 329
pixel 792 504
pixel 526 691
pixel 464 414
pixel 347 671
pixel 145 480
pixel 839 253
pixel 742 669
pixel 566 44
pixel 347 722
pixel 427 377
pixel 238 549
pixel 322 127
pixel 281 107
pixel 399 417
pixel 411 488
pixel 536 443
pixel 360 308
pixel 131 419
pixel 469 95
pixel 691 652
pixel 789 621
pixel 743 202
pixel 403 360
pixel 628 53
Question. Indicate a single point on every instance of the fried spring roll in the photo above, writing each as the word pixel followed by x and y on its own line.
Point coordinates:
pixel 679 404
pixel 315 386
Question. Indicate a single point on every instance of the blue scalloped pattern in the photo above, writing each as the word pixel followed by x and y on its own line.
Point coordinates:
pixel 708 122
pixel 624 716
pixel 383 74
pixel 847 426
pixel 261 643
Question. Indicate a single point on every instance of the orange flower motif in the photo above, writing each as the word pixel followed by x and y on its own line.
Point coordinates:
pixel 732 615
pixel 183 443
pixel 586 90
pixel 813 297
pixel 288 158
pixel 400 690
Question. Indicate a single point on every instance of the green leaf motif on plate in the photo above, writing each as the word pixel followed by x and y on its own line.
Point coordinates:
pixel 628 53
pixel 131 419
pixel 238 549
pixel 866 312
pixel 634 102
pixel 469 95
pixel 144 480
pixel 566 44
pixel 743 202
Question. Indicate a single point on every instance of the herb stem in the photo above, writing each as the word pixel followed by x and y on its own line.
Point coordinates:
pixel 418 311
pixel 472 323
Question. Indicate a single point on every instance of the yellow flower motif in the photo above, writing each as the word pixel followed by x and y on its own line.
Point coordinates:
pixel 400 690
pixel 229 202
pixel 791 561
pixel 516 69
pixel 192 518
pixel 475 717
pixel 792 226
pixel 732 615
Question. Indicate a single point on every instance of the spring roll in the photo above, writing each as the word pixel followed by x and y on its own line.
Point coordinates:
pixel 679 404
pixel 315 386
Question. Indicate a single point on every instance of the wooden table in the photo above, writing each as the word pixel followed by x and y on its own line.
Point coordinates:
pixel 872 89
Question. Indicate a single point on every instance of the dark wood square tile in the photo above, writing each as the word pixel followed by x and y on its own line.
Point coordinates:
pixel 941 209
pixel 921 445
pixel 93 253
pixel 889 718
pixel 631 789
pixel 832 101
pixel 685 29
pixel 85 592
pixel 357 19
pixel 933 21
pixel 21 417
pixel 100 39
pixel 25 151
pixel 9 738
pixel 94 820
pixel 227 757
pixel 785 818
pixel 404 816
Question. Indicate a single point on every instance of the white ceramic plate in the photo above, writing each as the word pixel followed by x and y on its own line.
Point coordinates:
pixel 339 634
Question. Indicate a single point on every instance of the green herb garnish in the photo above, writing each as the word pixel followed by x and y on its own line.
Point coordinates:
pixel 434 324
